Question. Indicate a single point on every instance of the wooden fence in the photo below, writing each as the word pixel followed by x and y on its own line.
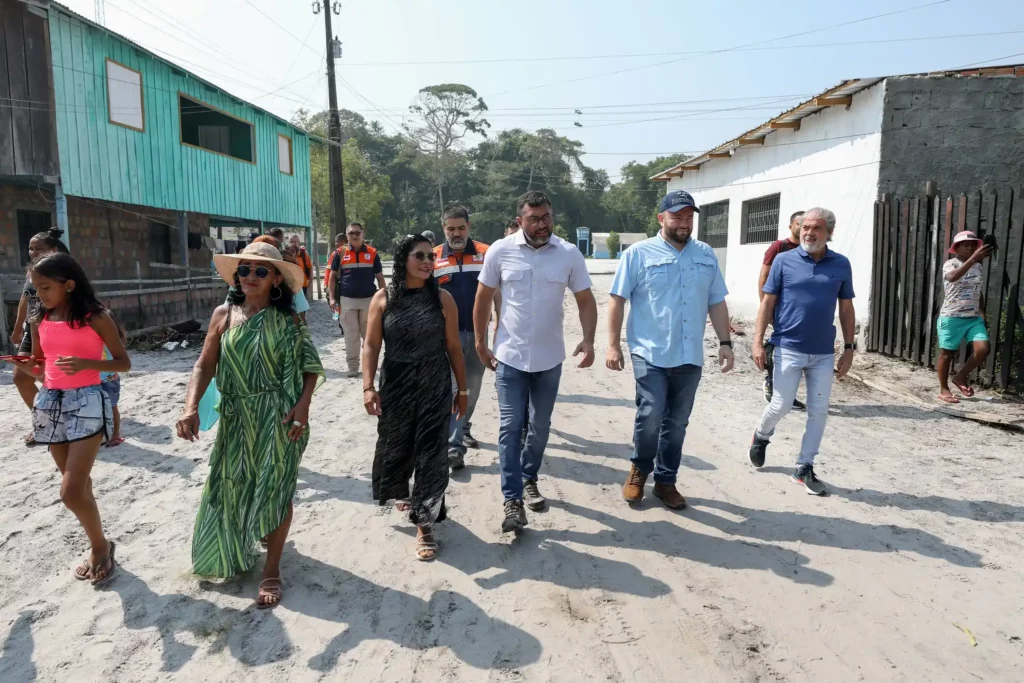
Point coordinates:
pixel 911 239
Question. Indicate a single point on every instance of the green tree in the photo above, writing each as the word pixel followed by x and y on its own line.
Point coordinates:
pixel 613 244
pixel 448 112
pixel 366 191
pixel 631 204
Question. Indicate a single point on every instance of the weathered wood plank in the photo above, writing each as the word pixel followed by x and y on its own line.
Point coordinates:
pixel 902 278
pixel 1011 303
pixel 883 293
pixel 6 105
pixel 876 277
pixel 999 227
pixel 894 252
pixel 914 283
pixel 17 76
pixel 931 260
pixel 42 115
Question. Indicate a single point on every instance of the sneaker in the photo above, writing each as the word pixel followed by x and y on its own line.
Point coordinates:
pixel 799 405
pixel 531 494
pixel 515 516
pixel 354 373
pixel 769 391
pixel 758 451
pixel 633 490
pixel 805 475
pixel 456 460
pixel 468 439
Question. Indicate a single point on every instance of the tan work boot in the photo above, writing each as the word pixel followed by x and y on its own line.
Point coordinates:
pixel 670 496
pixel 633 490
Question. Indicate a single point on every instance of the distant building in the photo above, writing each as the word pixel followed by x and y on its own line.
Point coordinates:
pixel 844 149
pixel 626 240
pixel 138 160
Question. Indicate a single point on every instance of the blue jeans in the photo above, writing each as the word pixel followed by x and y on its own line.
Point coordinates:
pixel 516 390
pixel 664 400
pixel 457 428
pixel 790 365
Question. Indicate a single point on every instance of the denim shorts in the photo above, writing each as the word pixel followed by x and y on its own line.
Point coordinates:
pixel 112 388
pixel 69 415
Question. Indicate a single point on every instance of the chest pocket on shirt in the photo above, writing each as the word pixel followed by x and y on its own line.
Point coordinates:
pixel 660 275
pixel 516 282
pixel 701 272
pixel 555 283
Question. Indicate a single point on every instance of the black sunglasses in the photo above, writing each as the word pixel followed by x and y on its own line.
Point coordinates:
pixel 424 256
pixel 262 272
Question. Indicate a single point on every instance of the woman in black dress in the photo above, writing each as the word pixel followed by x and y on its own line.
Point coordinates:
pixel 418 324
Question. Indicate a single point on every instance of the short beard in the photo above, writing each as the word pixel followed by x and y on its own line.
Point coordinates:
pixel 670 235
pixel 458 243
pixel 816 249
pixel 534 242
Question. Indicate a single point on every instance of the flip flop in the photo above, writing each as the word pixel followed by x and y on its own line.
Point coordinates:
pixel 115 442
pixel 82 571
pixel 966 389
pixel 30 439
pixel 948 399
pixel 108 562
pixel 272 591
pixel 403 505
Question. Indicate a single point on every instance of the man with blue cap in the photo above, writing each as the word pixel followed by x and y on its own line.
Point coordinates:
pixel 672 283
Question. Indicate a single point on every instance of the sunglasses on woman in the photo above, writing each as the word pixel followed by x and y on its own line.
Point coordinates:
pixel 424 256
pixel 261 272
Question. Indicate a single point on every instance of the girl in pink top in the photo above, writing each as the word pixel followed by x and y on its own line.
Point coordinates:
pixel 72 413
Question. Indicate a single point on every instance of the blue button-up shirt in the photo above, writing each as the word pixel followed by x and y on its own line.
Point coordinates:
pixel 669 293
pixel 808 292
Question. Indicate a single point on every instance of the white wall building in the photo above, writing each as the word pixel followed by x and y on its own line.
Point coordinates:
pixel 626 240
pixel 819 154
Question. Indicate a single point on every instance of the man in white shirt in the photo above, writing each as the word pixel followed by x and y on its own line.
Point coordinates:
pixel 533 267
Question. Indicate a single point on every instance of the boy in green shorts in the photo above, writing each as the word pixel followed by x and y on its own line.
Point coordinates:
pixel 962 316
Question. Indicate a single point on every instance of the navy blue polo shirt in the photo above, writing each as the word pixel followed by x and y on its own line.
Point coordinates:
pixel 357 272
pixel 808 292
pixel 458 275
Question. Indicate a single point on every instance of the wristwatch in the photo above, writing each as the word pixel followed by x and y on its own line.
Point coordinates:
pixel 849 347
pixel 727 342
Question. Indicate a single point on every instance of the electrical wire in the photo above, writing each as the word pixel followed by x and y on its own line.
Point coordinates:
pixel 723 50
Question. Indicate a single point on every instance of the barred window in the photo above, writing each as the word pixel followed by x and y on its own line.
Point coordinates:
pixel 714 224
pixel 760 220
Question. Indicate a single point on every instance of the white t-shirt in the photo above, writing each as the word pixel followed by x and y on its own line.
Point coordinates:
pixel 533 284
pixel 963 297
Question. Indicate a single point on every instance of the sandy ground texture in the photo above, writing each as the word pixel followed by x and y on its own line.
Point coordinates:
pixel 756 581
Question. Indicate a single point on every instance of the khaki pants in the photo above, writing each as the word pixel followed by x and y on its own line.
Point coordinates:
pixel 353 322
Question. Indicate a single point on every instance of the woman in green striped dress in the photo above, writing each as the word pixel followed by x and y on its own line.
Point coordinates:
pixel 267 369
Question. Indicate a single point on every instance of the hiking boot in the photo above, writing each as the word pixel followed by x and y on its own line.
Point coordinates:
pixel 468 439
pixel 515 516
pixel 671 497
pixel 805 475
pixel 456 460
pixel 531 494
pixel 633 490
pixel 769 391
pixel 799 405
pixel 758 451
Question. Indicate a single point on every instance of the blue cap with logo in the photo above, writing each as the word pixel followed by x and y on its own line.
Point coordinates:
pixel 674 201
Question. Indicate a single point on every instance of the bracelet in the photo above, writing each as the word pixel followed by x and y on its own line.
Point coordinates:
pixel 369 388
pixel 464 392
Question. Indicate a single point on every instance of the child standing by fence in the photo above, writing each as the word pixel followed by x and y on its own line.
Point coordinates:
pixel 72 413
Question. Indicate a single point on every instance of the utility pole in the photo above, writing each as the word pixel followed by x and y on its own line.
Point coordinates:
pixel 337 181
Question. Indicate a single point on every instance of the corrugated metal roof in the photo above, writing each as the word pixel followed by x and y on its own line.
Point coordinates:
pixel 790 120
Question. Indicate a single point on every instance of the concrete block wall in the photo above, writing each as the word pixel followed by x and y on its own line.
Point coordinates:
pixel 966 133
pixel 165 308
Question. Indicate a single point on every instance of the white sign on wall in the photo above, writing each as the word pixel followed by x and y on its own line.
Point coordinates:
pixel 124 96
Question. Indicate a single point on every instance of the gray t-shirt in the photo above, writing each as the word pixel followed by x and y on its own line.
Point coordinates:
pixel 963 297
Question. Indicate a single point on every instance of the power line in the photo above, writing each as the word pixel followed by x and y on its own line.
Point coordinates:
pixel 728 49
pixel 274 22
pixel 676 54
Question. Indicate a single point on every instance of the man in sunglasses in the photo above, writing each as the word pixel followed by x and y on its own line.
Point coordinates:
pixel 533 267
pixel 356 275
pixel 457 269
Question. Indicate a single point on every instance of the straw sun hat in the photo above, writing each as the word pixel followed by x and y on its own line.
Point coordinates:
pixel 227 264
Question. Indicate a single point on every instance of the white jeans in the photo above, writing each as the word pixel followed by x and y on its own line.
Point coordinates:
pixel 790 365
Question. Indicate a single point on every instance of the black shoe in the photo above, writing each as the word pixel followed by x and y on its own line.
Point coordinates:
pixel 515 516
pixel 799 405
pixel 531 494
pixel 456 460
pixel 758 451
pixel 769 391
pixel 468 439
pixel 805 475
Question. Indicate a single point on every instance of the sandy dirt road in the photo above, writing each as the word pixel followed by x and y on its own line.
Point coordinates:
pixel 756 581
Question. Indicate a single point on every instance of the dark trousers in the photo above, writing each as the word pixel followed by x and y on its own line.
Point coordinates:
pixel 664 401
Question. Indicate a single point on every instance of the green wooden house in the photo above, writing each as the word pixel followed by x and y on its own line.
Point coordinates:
pixel 137 159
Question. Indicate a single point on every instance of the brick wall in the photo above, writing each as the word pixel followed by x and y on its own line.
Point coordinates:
pixel 108 241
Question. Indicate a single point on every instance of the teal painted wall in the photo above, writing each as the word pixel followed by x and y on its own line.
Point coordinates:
pixel 101 160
